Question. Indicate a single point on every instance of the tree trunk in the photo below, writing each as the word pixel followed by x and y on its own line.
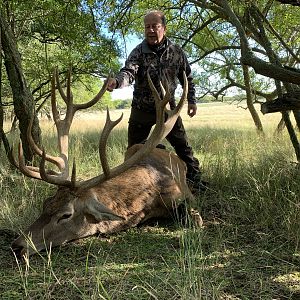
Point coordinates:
pixel 281 125
pixel 297 118
pixel 1 106
pixel 292 134
pixel 250 105
pixel 2 135
pixel 22 97
pixel 3 138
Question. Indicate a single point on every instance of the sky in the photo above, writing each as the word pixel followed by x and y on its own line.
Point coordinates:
pixel 126 93
pixel 122 94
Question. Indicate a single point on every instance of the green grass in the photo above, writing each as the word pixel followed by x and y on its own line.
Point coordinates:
pixel 248 249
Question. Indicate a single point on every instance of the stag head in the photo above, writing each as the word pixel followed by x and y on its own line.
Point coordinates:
pixel 83 208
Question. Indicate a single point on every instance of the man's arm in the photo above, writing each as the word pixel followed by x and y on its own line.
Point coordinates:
pixel 191 96
pixel 127 74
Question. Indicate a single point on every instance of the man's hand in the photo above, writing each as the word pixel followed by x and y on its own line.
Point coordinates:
pixel 192 109
pixel 111 85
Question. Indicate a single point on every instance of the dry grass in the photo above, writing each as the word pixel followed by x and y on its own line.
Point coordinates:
pixel 249 248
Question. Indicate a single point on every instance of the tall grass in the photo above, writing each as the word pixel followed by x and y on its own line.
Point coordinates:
pixel 248 248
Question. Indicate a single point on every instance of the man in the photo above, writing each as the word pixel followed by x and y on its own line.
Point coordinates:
pixel 160 56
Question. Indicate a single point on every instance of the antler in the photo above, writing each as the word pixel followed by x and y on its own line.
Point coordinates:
pixel 63 128
pixel 160 131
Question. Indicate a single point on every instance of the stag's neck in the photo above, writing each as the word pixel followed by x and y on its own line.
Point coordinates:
pixel 136 195
pixel 149 189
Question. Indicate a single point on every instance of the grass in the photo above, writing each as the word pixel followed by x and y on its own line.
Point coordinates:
pixel 248 249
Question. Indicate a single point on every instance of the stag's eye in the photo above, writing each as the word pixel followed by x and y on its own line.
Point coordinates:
pixel 64 217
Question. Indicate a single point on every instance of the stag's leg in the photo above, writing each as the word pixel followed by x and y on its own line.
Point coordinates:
pixel 188 207
pixel 185 210
pixel 189 215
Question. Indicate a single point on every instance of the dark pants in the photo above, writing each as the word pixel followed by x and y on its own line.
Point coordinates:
pixel 140 124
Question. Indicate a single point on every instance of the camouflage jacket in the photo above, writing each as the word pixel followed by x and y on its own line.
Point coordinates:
pixel 172 62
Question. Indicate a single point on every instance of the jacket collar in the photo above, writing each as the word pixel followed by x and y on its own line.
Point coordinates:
pixel 146 48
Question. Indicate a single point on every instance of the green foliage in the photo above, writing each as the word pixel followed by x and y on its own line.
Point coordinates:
pixel 214 49
pixel 84 90
pixel 60 34
pixel 89 36
pixel 122 104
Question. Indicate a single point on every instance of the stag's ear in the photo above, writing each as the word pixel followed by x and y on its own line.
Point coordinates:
pixel 100 212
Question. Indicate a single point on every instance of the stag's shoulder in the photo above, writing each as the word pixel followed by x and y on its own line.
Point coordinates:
pixel 160 156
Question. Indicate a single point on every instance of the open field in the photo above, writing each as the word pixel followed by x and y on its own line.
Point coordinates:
pixel 248 248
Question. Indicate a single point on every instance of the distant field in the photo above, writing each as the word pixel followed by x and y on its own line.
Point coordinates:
pixel 216 114
pixel 228 116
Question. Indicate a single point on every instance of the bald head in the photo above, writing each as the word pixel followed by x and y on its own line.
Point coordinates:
pixel 158 14
pixel 155 27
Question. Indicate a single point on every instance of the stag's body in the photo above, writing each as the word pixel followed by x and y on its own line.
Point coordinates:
pixel 149 183
pixel 149 189
pixel 154 187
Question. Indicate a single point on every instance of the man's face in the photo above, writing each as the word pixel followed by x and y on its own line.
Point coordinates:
pixel 154 29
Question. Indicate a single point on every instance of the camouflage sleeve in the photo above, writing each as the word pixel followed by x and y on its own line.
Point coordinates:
pixel 191 97
pixel 127 74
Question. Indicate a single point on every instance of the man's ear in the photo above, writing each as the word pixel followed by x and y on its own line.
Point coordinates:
pixel 99 211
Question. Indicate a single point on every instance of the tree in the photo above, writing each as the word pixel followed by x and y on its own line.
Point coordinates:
pixel 252 46
pixel 40 35
pixel 22 98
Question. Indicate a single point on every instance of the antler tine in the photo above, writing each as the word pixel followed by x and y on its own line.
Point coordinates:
pixel 30 171
pixel 95 99
pixel 60 162
pixel 73 177
pixel 108 127
pixel 57 180
pixel 160 131
pixel 162 84
pixel 63 128
pixel 162 128
pixel 22 166
pixel 55 160
pixel 173 114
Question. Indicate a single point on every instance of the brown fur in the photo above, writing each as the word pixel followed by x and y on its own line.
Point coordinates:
pixel 151 188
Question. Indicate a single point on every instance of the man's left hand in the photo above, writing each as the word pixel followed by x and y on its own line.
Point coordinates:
pixel 192 109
